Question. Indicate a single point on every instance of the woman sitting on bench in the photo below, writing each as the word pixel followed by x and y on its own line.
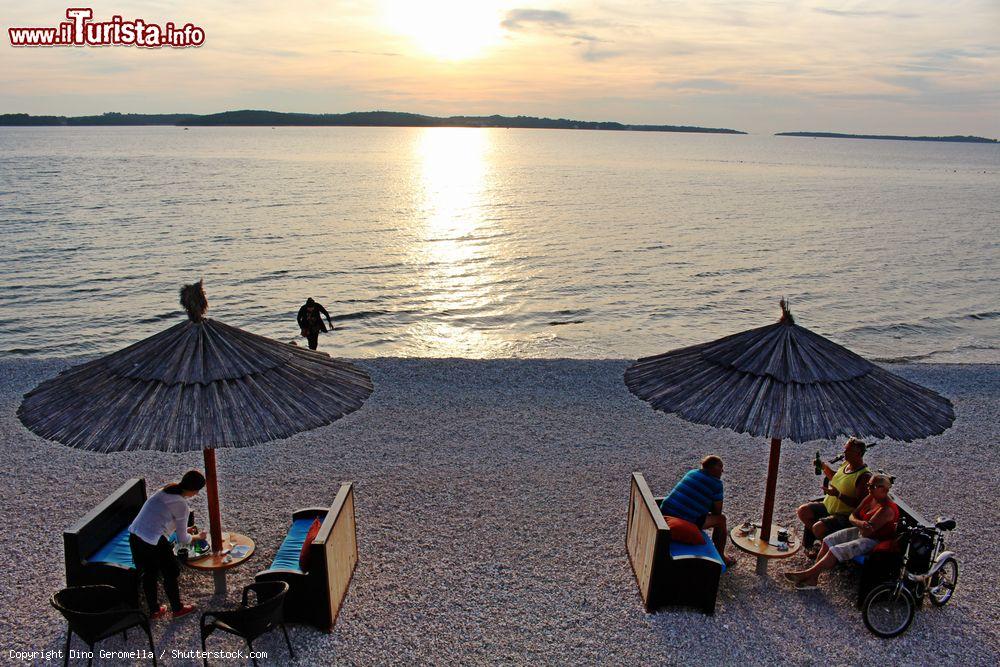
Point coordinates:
pixel 163 513
pixel 873 521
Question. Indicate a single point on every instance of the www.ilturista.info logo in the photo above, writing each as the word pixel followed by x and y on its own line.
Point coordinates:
pixel 81 31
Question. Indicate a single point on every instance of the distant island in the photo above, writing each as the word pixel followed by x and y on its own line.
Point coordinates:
pixel 103 119
pixel 889 137
pixel 352 119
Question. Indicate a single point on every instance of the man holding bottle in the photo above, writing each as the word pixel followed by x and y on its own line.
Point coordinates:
pixel 844 489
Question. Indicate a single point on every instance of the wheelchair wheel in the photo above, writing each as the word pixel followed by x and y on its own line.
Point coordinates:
pixel 942 584
pixel 888 610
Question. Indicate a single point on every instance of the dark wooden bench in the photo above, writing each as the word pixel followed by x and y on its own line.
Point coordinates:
pixel 95 531
pixel 317 592
pixel 665 578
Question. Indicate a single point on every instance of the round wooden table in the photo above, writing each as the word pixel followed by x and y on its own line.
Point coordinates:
pixel 218 564
pixel 752 544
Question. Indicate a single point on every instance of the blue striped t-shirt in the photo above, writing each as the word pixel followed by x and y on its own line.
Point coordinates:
pixel 693 496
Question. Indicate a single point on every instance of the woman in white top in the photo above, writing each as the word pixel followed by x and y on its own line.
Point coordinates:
pixel 164 513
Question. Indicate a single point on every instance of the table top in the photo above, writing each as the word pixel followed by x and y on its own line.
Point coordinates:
pixel 751 543
pixel 218 561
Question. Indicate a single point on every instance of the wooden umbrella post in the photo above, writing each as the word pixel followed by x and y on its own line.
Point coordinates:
pixel 212 491
pixel 772 481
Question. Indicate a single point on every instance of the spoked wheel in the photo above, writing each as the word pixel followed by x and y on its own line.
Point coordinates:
pixel 942 584
pixel 888 610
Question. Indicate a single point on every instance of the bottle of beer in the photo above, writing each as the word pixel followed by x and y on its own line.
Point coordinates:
pixel 818 464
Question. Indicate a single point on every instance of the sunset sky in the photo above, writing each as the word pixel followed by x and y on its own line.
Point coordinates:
pixel 906 67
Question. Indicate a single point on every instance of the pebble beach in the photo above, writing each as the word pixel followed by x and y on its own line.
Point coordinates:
pixel 491 509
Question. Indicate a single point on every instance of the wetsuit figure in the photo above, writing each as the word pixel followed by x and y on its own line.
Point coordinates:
pixel 311 322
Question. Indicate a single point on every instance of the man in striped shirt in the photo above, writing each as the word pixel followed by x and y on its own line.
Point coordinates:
pixel 698 498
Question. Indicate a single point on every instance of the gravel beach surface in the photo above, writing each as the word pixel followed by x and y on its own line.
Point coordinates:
pixel 491 499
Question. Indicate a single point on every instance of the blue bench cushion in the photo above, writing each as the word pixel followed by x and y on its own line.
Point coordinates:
pixel 679 550
pixel 288 554
pixel 116 551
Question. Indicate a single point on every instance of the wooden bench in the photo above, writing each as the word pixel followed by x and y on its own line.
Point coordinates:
pixel 96 547
pixel 666 578
pixel 316 593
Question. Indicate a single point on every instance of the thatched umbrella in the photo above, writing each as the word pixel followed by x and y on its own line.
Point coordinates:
pixel 198 385
pixel 785 382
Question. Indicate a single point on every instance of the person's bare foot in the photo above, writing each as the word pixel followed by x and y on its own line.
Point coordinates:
pixel 730 561
pixel 159 613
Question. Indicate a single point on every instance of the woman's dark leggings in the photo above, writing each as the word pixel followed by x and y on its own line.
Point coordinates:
pixel 151 561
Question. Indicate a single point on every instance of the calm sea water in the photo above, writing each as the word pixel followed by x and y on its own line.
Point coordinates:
pixel 496 243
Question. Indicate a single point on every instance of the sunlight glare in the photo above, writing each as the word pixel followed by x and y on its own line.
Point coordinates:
pixel 446 29
pixel 457 251
pixel 453 166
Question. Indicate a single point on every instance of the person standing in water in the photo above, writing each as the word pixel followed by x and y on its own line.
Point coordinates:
pixel 311 321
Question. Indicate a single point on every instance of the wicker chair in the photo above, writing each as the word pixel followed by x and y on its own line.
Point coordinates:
pixel 250 621
pixel 97 612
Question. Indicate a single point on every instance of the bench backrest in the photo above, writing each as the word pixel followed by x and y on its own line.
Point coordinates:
pixel 103 522
pixel 647 537
pixel 908 514
pixel 334 552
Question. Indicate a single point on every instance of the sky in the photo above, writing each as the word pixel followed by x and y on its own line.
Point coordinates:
pixel 919 67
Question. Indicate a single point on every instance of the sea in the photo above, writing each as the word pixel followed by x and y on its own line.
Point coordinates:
pixel 488 243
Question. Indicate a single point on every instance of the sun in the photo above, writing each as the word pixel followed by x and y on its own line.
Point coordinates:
pixel 446 29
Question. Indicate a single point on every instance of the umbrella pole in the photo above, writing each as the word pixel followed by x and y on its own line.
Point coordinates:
pixel 212 491
pixel 772 481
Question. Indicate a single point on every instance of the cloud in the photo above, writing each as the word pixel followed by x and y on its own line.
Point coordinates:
pixel 698 84
pixel 279 53
pixel 864 13
pixel 522 19
pixel 966 60
pixel 909 82
pixel 950 55
pixel 913 97
pixel 366 53
pixel 111 68
pixel 597 55
pixel 558 24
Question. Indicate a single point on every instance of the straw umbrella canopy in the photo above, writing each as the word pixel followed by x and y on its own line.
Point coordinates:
pixel 783 381
pixel 198 385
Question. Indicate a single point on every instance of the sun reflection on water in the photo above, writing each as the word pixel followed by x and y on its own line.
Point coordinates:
pixel 457 248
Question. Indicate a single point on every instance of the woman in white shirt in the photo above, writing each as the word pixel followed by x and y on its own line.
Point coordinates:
pixel 164 513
